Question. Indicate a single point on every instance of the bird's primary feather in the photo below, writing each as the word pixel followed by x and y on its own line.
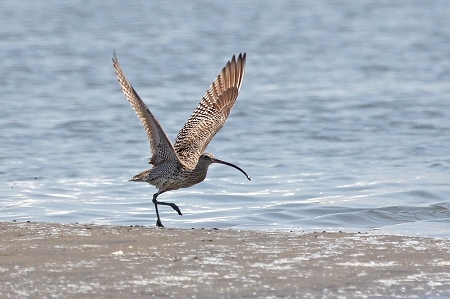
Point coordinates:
pixel 160 145
pixel 212 112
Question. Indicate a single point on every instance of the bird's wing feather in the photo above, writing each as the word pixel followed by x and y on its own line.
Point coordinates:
pixel 212 112
pixel 161 147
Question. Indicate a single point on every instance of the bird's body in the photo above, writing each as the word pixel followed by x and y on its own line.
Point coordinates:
pixel 170 176
pixel 185 164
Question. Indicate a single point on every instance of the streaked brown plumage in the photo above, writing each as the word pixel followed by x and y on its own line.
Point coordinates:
pixel 185 164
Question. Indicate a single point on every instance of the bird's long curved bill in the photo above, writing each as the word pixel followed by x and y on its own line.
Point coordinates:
pixel 214 160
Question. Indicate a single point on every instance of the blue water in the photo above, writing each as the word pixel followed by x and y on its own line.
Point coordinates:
pixel 343 121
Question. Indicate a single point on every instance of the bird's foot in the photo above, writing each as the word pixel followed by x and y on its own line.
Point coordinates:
pixel 158 223
pixel 175 207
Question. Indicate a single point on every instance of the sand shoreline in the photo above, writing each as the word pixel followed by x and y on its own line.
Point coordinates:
pixel 45 260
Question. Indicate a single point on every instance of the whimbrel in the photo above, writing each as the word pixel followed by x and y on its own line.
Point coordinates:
pixel 185 164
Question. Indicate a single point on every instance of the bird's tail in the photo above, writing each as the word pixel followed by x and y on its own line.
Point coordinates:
pixel 142 177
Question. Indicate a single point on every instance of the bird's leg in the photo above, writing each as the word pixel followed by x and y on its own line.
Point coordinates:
pixel 158 220
pixel 156 202
pixel 174 206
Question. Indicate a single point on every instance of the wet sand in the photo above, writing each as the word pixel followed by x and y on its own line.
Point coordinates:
pixel 41 260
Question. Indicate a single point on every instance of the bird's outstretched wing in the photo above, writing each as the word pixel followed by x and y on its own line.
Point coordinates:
pixel 161 147
pixel 212 112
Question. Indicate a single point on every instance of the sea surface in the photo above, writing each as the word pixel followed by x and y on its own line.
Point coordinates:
pixel 343 120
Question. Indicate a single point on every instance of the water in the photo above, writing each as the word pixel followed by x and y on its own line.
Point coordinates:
pixel 343 119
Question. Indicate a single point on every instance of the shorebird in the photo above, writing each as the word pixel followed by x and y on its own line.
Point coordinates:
pixel 184 164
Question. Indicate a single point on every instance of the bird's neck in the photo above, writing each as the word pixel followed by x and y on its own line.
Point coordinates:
pixel 201 170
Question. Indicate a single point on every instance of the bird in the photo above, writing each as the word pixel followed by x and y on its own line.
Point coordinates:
pixel 184 163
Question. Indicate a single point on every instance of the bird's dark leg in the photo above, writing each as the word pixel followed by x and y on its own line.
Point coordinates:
pixel 158 220
pixel 156 203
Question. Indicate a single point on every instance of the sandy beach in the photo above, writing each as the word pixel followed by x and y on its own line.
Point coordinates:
pixel 42 260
